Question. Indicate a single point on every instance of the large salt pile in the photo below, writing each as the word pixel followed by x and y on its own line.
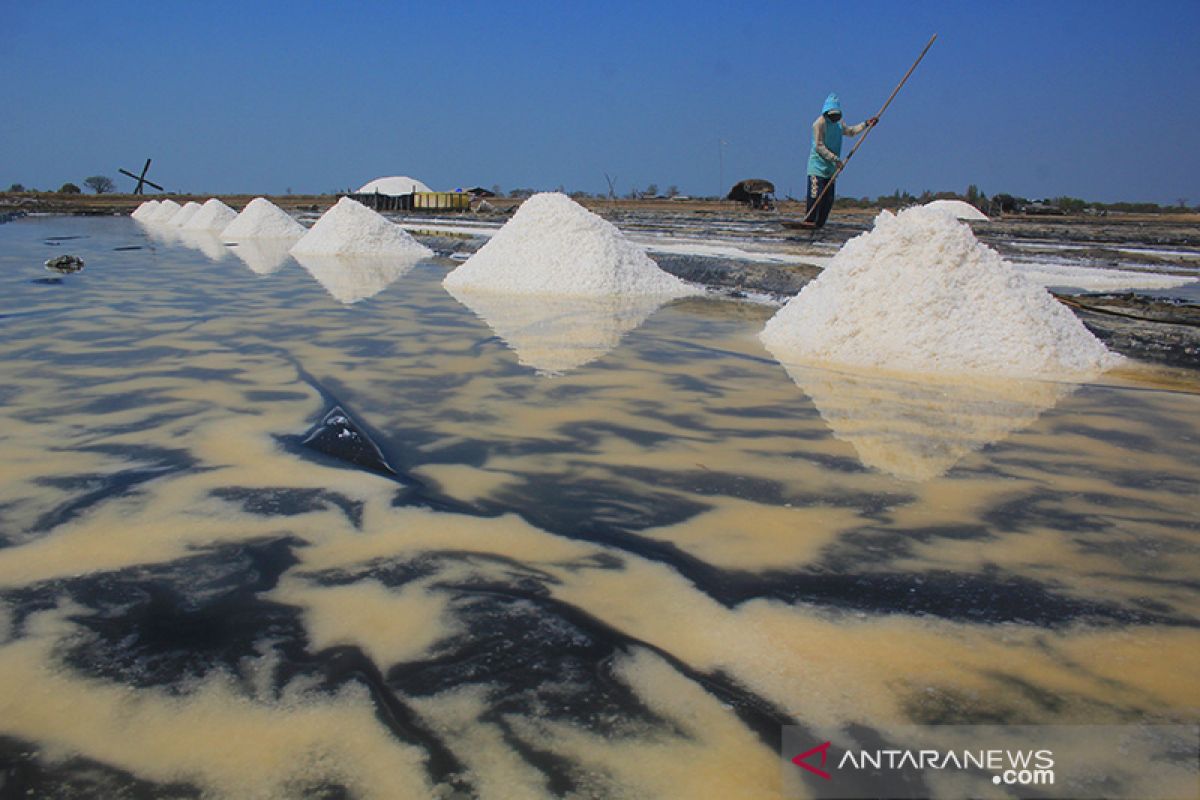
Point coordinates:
pixel 212 217
pixel 920 293
pixel 181 217
pixel 958 209
pixel 166 209
pixel 553 245
pixel 262 219
pixel 352 229
pixel 396 184
pixel 145 210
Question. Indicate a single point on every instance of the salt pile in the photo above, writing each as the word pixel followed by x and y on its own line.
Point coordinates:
pixel 166 209
pixel 145 210
pixel 352 229
pixel 262 219
pixel 958 209
pixel 397 184
pixel 553 245
pixel 212 217
pixel 920 293
pixel 181 217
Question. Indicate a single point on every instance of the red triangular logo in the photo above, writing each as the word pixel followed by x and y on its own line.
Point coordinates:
pixel 800 761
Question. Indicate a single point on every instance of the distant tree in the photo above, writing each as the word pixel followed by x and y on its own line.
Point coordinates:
pixel 580 195
pixel 68 188
pixel 496 190
pixel 16 187
pixel 634 194
pixel 652 190
pixel 521 193
pixel 99 183
pixel 672 191
pixel 973 194
pixel 1182 201
pixel 1071 205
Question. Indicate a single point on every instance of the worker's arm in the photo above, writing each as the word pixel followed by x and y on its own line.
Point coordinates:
pixel 855 130
pixel 819 141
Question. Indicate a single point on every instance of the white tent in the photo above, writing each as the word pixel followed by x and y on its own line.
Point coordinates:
pixel 397 184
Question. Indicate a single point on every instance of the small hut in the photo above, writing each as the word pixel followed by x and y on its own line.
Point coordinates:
pixel 756 192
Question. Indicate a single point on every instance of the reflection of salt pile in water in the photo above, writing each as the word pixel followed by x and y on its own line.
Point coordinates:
pixel 957 209
pixel 263 256
pixel 206 242
pixel 212 216
pixel 166 209
pixel 352 278
pixel 920 293
pixel 262 219
pixel 180 217
pixel 553 245
pixel 352 229
pixel 917 429
pixel 145 210
pixel 555 334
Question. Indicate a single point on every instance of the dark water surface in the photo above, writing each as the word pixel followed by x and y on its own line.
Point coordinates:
pixel 323 530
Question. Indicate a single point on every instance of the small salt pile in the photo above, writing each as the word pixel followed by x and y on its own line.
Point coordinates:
pixel 553 245
pixel 213 216
pixel 352 229
pixel 166 209
pixel 920 293
pixel 181 217
pixel 145 210
pixel 958 209
pixel 262 219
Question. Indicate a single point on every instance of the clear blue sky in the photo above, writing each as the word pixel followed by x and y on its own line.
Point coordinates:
pixel 1099 100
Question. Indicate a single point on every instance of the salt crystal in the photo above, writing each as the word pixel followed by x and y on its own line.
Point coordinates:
pixel 553 245
pixel 350 228
pixel 181 217
pixel 166 209
pixel 145 210
pixel 262 219
pixel 397 184
pixel 212 217
pixel 957 209
pixel 920 293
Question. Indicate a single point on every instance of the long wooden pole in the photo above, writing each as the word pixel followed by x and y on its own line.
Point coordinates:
pixel 870 128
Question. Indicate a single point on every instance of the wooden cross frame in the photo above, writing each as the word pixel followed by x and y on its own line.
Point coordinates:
pixel 141 179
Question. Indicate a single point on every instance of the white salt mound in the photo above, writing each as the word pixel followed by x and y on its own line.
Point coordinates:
pixel 181 217
pixel 397 184
pixel 919 293
pixel 352 229
pixel 958 209
pixel 262 219
pixel 553 245
pixel 166 209
pixel 212 217
pixel 145 210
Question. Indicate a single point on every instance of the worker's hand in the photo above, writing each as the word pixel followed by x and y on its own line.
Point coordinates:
pixel 840 163
pixel 873 121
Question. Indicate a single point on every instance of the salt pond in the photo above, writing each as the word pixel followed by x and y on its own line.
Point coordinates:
pixel 261 539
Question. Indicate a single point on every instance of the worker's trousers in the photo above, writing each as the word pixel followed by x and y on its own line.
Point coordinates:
pixel 818 215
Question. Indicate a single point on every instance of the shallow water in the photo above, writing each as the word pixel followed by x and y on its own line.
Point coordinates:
pixel 269 531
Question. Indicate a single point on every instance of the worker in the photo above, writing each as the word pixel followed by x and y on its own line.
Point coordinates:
pixel 826 158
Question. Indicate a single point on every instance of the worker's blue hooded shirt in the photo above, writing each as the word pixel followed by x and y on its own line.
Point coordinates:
pixel 833 140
